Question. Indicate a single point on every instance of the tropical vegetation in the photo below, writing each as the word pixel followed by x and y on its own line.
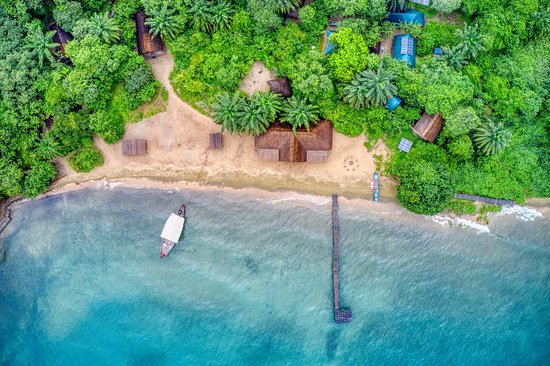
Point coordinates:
pixel 490 85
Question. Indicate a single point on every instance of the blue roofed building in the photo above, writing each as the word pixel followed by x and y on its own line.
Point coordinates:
pixel 404 49
pixel 393 103
pixel 410 16
pixel 329 46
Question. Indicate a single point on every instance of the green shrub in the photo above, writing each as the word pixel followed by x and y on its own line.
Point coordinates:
pixel 462 207
pixel 347 120
pixel 489 208
pixel 436 34
pixel 85 159
pixel 38 178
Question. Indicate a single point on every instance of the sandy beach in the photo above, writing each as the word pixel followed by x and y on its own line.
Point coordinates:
pixel 178 151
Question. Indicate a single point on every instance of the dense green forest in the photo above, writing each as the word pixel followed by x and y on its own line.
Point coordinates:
pixel 490 85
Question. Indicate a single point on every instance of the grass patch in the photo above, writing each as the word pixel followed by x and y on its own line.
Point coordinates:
pixel 462 207
pixel 489 208
pixel 146 110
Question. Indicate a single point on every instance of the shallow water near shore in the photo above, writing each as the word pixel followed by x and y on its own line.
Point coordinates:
pixel 81 283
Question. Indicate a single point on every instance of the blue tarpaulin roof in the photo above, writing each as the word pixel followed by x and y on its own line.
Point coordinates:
pixel 404 49
pixel 410 16
pixel 393 103
pixel 329 47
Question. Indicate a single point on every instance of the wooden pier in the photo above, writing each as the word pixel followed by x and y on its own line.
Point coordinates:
pixel 340 315
pixel 492 201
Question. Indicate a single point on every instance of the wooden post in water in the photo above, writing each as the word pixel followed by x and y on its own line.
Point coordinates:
pixel 340 315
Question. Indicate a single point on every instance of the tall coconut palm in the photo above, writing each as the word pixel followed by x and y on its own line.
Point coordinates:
pixel 253 119
pixel 491 139
pixel 220 17
pixel 201 15
pixel 163 23
pixel 43 45
pixel 269 103
pixel 397 6
pixel 47 148
pixel 299 114
pixel 227 112
pixel 368 88
pixel 472 42
pixel 104 28
pixel 285 6
pixel 454 57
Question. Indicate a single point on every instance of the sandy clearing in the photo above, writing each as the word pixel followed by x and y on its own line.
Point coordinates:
pixel 179 152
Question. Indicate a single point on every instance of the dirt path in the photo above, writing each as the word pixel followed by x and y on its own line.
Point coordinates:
pixel 178 151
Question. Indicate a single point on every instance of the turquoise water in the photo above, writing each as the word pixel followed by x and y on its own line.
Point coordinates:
pixel 81 283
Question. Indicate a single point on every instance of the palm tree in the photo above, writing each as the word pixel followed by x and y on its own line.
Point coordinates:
pixel 299 114
pixel 285 6
pixel 201 15
pixel 471 42
pixel 253 119
pixel 43 45
pixel 369 88
pixel 163 23
pixel 221 15
pixel 491 138
pixel 454 57
pixel 47 147
pixel 397 6
pixel 104 28
pixel 227 111
pixel 269 103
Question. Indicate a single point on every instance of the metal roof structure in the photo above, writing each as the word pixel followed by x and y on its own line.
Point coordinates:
pixel 393 103
pixel 405 145
pixel 404 49
pixel 410 16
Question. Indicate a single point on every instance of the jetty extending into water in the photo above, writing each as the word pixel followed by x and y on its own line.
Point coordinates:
pixel 340 315
pixel 492 201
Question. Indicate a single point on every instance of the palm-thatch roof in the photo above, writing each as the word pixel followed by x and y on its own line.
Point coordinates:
pixel 280 86
pixel 428 126
pixel 279 143
pixel 147 45
pixel 60 36
pixel 134 147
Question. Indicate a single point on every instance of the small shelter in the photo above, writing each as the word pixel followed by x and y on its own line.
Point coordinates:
pixel 404 145
pixel 216 141
pixel 279 143
pixel 428 126
pixel 328 46
pixel 404 49
pixel 410 16
pixel 147 45
pixel 60 36
pixel 134 147
pixel 393 103
pixel 280 86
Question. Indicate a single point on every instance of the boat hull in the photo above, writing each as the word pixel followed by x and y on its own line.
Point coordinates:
pixel 166 245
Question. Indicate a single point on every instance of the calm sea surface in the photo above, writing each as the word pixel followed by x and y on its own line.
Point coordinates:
pixel 81 283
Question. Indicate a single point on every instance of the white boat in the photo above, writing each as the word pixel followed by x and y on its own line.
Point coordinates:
pixel 171 232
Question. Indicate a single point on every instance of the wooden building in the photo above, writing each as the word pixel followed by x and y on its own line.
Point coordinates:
pixel 280 86
pixel 428 126
pixel 279 143
pixel 60 36
pixel 147 45
pixel 134 147
pixel 216 141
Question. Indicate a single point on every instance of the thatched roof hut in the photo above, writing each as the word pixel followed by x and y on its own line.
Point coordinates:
pixel 147 45
pixel 216 141
pixel 134 147
pixel 280 86
pixel 279 143
pixel 60 36
pixel 428 126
